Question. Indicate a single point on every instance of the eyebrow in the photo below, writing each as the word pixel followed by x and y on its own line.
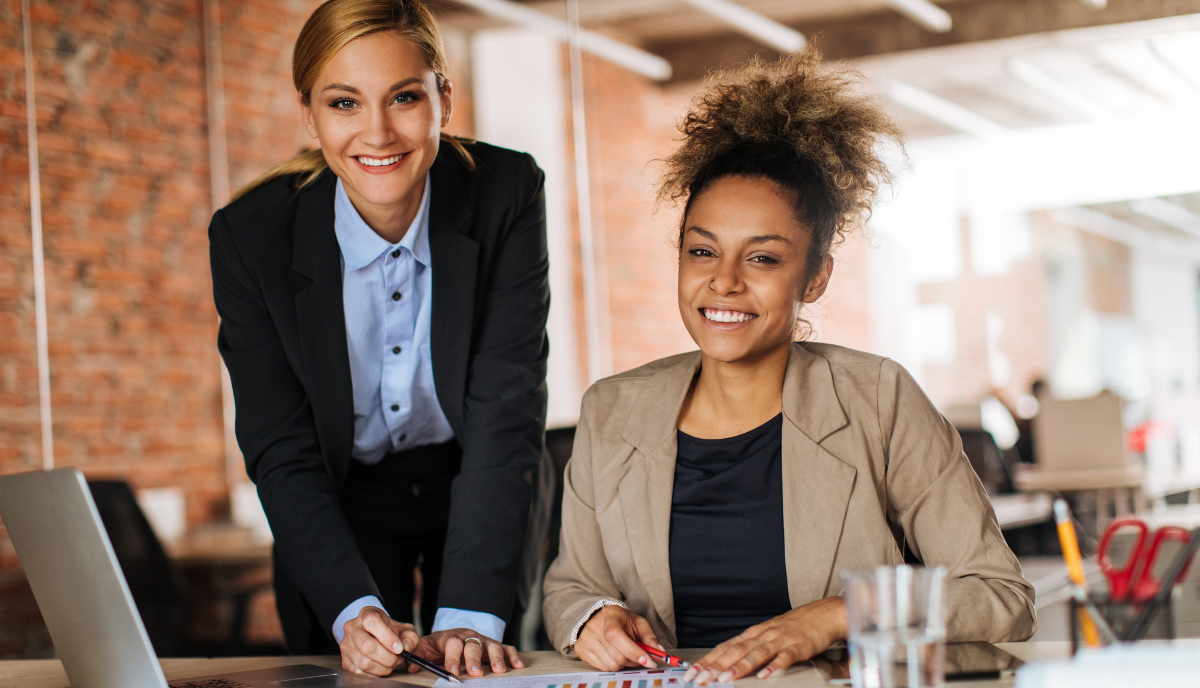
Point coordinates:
pixel 762 239
pixel 395 87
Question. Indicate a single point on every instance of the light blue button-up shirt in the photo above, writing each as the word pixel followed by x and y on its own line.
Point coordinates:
pixel 387 296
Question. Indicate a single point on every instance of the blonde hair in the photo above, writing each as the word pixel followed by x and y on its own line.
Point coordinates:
pixel 331 26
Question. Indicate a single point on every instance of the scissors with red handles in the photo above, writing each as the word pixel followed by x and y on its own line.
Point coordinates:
pixel 1135 579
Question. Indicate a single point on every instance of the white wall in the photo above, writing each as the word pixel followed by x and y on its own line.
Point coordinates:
pixel 518 87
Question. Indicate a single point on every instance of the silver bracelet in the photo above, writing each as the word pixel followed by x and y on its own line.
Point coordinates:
pixel 600 604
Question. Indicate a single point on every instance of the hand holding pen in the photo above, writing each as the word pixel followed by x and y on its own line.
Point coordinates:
pixel 616 638
pixel 664 657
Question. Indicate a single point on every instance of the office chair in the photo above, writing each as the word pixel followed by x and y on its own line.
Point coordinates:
pixel 156 585
pixel 158 588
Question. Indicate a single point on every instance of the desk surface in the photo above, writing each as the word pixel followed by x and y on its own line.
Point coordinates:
pixel 221 545
pixel 48 673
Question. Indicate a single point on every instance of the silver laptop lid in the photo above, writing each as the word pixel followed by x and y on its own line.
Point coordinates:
pixel 78 584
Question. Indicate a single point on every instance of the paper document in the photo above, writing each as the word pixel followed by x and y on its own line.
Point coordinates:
pixel 634 678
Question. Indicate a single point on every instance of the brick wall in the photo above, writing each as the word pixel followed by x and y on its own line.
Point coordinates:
pixel 124 173
pixel 122 124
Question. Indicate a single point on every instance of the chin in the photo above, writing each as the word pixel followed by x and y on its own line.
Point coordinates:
pixel 382 191
pixel 725 352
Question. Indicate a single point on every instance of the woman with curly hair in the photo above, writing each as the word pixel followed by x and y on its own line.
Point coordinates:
pixel 713 497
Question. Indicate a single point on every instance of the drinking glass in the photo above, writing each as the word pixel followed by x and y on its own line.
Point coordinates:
pixel 897 619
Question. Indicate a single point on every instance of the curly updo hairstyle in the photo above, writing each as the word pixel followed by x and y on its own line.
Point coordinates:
pixel 811 131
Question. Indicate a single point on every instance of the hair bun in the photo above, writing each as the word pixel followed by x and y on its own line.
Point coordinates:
pixel 810 129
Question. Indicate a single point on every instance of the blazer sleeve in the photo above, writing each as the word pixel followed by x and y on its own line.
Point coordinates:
pixel 580 576
pixel 947 518
pixel 277 434
pixel 504 414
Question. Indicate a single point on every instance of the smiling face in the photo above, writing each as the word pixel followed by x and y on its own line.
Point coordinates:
pixel 377 113
pixel 742 275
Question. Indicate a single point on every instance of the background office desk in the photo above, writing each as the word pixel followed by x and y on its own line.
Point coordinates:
pixel 45 673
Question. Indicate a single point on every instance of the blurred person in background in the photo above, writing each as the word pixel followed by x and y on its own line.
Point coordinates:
pixel 383 302
pixel 713 497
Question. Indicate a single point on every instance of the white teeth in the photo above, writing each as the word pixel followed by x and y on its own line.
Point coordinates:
pixel 727 316
pixel 379 162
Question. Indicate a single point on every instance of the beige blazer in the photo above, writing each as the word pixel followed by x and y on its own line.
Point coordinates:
pixel 868 463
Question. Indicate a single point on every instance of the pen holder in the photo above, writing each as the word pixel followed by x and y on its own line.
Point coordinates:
pixel 1122 615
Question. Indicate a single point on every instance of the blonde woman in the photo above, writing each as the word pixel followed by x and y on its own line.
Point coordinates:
pixel 383 302
pixel 713 497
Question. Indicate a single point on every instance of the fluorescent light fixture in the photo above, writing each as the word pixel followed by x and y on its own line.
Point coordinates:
pixel 758 26
pixel 1094 4
pixel 924 13
pixel 647 64
pixel 944 111
pixel 1169 214
pixel 1181 55
pixel 1038 80
pixel 1109 227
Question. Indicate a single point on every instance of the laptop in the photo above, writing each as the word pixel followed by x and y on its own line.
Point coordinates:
pixel 81 591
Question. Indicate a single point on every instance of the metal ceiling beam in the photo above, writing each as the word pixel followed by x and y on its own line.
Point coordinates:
pixel 1169 214
pixel 942 110
pixel 1050 87
pixel 1109 227
pixel 924 13
pixel 647 64
pixel 755 25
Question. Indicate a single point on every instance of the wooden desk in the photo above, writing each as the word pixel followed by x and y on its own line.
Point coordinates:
pixel 43 673
pixel 1120 488
pixel 222 564
pixel 221 545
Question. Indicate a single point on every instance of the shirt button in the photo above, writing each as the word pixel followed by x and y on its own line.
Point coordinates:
pixel 395 407
pixel 396 253
pixel 396 296
pixel 395 349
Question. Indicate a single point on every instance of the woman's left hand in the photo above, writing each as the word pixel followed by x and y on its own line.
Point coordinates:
pixel 774 645
pixel 458 646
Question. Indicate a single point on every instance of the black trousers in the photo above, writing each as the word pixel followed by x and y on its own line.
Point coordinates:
pixel 399 511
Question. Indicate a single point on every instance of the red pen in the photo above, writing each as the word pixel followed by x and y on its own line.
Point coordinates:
pixel 664 657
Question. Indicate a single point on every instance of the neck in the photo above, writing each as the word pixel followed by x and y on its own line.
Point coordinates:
pixel 391 222
pixel 730 398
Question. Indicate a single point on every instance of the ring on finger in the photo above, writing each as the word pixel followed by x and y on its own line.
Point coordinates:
pixel 467 640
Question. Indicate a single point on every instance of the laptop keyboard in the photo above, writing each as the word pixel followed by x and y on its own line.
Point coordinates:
pixel 210 683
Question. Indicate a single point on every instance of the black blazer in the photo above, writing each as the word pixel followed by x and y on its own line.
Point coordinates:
pixel 277 282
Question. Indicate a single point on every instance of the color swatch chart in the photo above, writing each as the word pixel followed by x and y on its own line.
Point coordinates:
pixel 640 678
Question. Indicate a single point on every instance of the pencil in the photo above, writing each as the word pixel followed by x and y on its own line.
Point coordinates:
pixel 1074 561
pixel 430 666
pixel 663 656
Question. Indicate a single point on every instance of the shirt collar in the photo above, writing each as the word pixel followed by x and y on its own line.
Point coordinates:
pixel 361 245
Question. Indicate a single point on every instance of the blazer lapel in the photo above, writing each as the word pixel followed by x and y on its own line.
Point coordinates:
pixel 816 484
pixel 647 487
pixel 455 259
pixel 321 320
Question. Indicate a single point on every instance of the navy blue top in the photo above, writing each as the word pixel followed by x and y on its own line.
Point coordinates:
pixel 727 561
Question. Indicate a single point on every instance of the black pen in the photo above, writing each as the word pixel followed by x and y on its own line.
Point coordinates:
pixel 430 666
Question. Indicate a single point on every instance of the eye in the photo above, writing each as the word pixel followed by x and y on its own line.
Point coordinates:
pixel 764 260
pixel 700 252
pixel 405 98
pixel 343 104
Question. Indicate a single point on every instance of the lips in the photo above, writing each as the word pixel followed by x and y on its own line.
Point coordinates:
pixel 377 164
pixel 727 316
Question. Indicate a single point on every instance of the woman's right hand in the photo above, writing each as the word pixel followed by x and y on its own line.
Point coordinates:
pixel 374 641
pixel 607 640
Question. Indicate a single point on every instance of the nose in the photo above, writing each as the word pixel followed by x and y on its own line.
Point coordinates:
pixel 727 278
pixel 379 132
